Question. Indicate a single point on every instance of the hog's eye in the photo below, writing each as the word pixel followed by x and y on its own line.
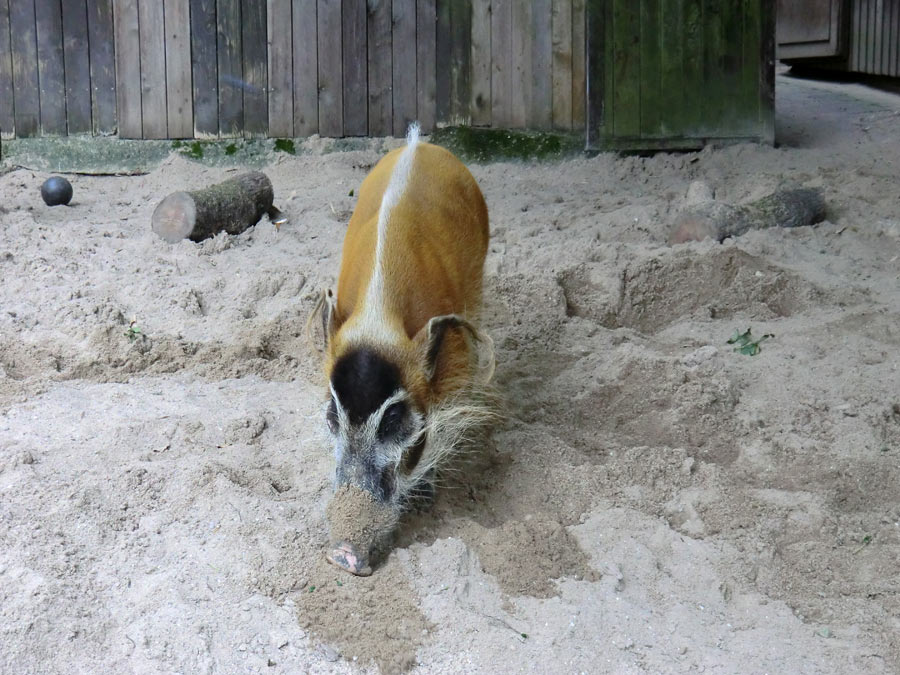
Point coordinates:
pixel 331 417
pixel 392 420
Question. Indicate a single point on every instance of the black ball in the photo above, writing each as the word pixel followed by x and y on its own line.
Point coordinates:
pixel 56 191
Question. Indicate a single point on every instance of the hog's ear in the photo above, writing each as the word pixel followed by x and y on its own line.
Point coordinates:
pixel 435 333
pixel 326 308
pixel 330 322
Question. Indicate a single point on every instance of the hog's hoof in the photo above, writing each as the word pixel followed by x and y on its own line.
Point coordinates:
pixel 347 559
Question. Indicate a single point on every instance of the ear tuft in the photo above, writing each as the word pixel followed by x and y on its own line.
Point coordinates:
pixel 326 308
pixel 435 333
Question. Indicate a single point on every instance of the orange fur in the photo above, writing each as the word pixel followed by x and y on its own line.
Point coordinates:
pixel 435 243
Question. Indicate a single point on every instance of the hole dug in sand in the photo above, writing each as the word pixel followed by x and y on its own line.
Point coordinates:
pixel 673 286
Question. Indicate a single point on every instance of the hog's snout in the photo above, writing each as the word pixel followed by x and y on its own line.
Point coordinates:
pixel 346 557
pixel 359 525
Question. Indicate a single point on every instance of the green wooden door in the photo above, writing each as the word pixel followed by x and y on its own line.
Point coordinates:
pixel 679 73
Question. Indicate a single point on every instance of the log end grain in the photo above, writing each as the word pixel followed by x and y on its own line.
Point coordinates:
pixel 175 216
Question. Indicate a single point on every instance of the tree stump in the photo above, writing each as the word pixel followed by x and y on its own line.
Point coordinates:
pixel 719 221
pixel 230 206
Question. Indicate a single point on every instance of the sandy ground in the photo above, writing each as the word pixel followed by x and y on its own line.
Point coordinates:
pixel 654 502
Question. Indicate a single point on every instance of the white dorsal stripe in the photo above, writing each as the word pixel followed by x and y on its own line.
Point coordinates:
pixel 395 189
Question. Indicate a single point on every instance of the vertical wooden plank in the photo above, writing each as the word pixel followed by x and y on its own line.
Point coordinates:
pixel 877 7
pixel 626 93
pixel 693 64
pixel 331 103
pixel 380 15
pixel 501 63
pixel 179 103
pixel 281 69
pixel 460 61
pixel 598 76
pixel 153 69
pixel 562 64
pixel 767 70
pixel 442 57
pixel 103 66
pixel 51 69
pixel 7 107
pixel 306 68
pixel 889 37
pixel 255 67
pixel 671 74
pixel 230 67
pixel 522 83
pixel 579 82
pixel 404 66
pixel 750 67
pixel 204 68
pixel 540 114
pixel 731 60
pixel 651 98
pixel 128 68
pixel 894 42
pixel 426 64
pixel 714 84
pixel 355 96
pixel 77 66
pixel 480 105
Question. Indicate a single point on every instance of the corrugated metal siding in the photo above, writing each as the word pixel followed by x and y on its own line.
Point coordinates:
pixel 875 37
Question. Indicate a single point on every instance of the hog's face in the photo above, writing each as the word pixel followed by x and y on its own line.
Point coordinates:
pixel 378 438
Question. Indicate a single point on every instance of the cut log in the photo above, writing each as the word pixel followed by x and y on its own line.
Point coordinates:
pixel 231 206
pixel 719 221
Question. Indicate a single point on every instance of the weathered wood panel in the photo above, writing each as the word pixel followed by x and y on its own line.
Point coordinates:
pixel 671 66
pixel 460 62
pixel 579 64
pixel 355 96
pixel 128 68
pixel 379 18
pixel 231 68
pixel 480 103
pixel 810 28
pixel 562 63
pixel 306 68
pixel 692 35
pixel 626 93
pixel 255 82
pixel 77 66
pixel 650 60
pixel 224 68
pixel 281 69
pixel 442 57
pixel 544 74
pixel 7 107
pixel 179 103
pixel 204 68
pixel 679 73
pixel 522 35
pixel 102 52
pixel 153 68
pixel 403 66
pixel 426 65
pixel 331 103
pixel 501 63
pixel 51 68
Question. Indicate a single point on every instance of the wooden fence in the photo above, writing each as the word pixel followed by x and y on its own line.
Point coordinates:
pixel 288 68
